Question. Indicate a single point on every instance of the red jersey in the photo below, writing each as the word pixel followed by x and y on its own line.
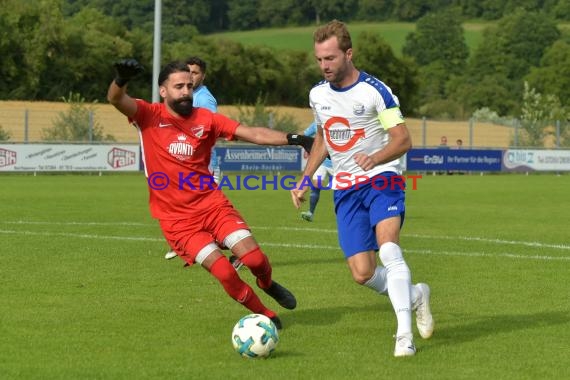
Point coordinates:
pixel 176 154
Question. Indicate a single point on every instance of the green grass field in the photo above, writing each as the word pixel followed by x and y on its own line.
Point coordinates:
pixel 87 294
pixel 301 38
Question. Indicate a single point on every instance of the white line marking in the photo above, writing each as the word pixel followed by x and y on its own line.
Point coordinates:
pixel 307 229
pixel 496 241
pixel 429 252
pixel 491 255
pixel 289 245
pixel 83 236
pixel 311 229
pixel 24 222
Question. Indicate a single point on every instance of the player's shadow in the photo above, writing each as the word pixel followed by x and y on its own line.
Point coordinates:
pixel 475 327
pixel 324 316
pixel 329 316
pixel 335 258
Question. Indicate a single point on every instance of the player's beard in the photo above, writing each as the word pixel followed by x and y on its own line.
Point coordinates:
pixel 336 76
pixel 182 106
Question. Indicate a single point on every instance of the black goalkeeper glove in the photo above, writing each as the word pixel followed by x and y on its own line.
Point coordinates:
pixel 302 140
pixel 127 69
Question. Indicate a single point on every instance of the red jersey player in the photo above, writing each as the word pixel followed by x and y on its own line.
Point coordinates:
pixel 196 218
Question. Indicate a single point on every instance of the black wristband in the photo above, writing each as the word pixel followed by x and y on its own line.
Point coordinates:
pixel 304 141
pixel 293 138
pixel 121 82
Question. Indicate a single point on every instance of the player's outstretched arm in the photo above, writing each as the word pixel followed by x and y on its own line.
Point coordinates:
pixel 266 136
pixel 125 69
pixel 260 135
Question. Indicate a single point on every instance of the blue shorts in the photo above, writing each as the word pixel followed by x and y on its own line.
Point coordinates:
pixel 359 209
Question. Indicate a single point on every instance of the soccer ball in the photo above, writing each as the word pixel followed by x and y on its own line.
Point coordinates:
pixel 255 336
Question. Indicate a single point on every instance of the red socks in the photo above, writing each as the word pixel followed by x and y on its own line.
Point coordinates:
pixel 236 288
pixel 258 264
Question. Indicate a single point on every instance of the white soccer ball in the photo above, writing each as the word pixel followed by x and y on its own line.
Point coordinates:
pixel 255 336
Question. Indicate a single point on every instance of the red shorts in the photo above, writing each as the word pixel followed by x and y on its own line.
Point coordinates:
pixel 188 236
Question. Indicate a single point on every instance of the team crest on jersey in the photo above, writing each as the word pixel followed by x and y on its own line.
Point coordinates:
pixel 198 131
pixel 358 109
pixel 339 135
pixel 180 148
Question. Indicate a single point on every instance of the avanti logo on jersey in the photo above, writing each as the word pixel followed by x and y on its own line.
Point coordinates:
pixel 339 135
pixel 180 148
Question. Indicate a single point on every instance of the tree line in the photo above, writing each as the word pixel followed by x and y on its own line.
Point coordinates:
pixel 208 16
pixel 58 47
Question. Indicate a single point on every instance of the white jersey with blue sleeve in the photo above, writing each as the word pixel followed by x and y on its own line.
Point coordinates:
pixel 356 119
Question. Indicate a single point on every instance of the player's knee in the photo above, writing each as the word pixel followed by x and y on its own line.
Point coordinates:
pixel 361 277
pixel 254 258
pixel 390 253
pixel 393 260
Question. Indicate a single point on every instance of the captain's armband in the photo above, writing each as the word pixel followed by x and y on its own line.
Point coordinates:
pixel 391 117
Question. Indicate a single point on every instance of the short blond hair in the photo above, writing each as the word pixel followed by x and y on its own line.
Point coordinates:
pixel 336 29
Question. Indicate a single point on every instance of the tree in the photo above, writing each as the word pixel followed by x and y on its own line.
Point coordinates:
pixel 492 9
pixel 90 43
pixel 374 10
pixel 327 10
pixel 439 37
pixel 77 124
pixel 184 14
pixel 31 33
pixel 502 60
pixel 259 114
pixel 4 135
pixel 411 10
pixel 438 46
pixel 562 10
pixel 374 55
pixel 538 112
pixel 242 14
pixel 553 74
pixel 273 13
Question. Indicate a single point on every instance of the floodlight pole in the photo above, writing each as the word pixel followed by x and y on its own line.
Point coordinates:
pixel 156 49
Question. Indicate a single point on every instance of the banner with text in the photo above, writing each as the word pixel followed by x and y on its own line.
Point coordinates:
pixel 259 158
pixel 67 157
pixel 539 160
pixel 443 160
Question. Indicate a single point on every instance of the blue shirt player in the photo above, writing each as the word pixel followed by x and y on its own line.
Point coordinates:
pixel 324 170
pixel 202 97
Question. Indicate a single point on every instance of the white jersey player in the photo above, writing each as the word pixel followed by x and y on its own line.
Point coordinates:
pixel 362 129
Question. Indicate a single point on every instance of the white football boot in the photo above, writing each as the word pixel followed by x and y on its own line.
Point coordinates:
pixel 424 319
pixel 404 346
pixel 170 255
